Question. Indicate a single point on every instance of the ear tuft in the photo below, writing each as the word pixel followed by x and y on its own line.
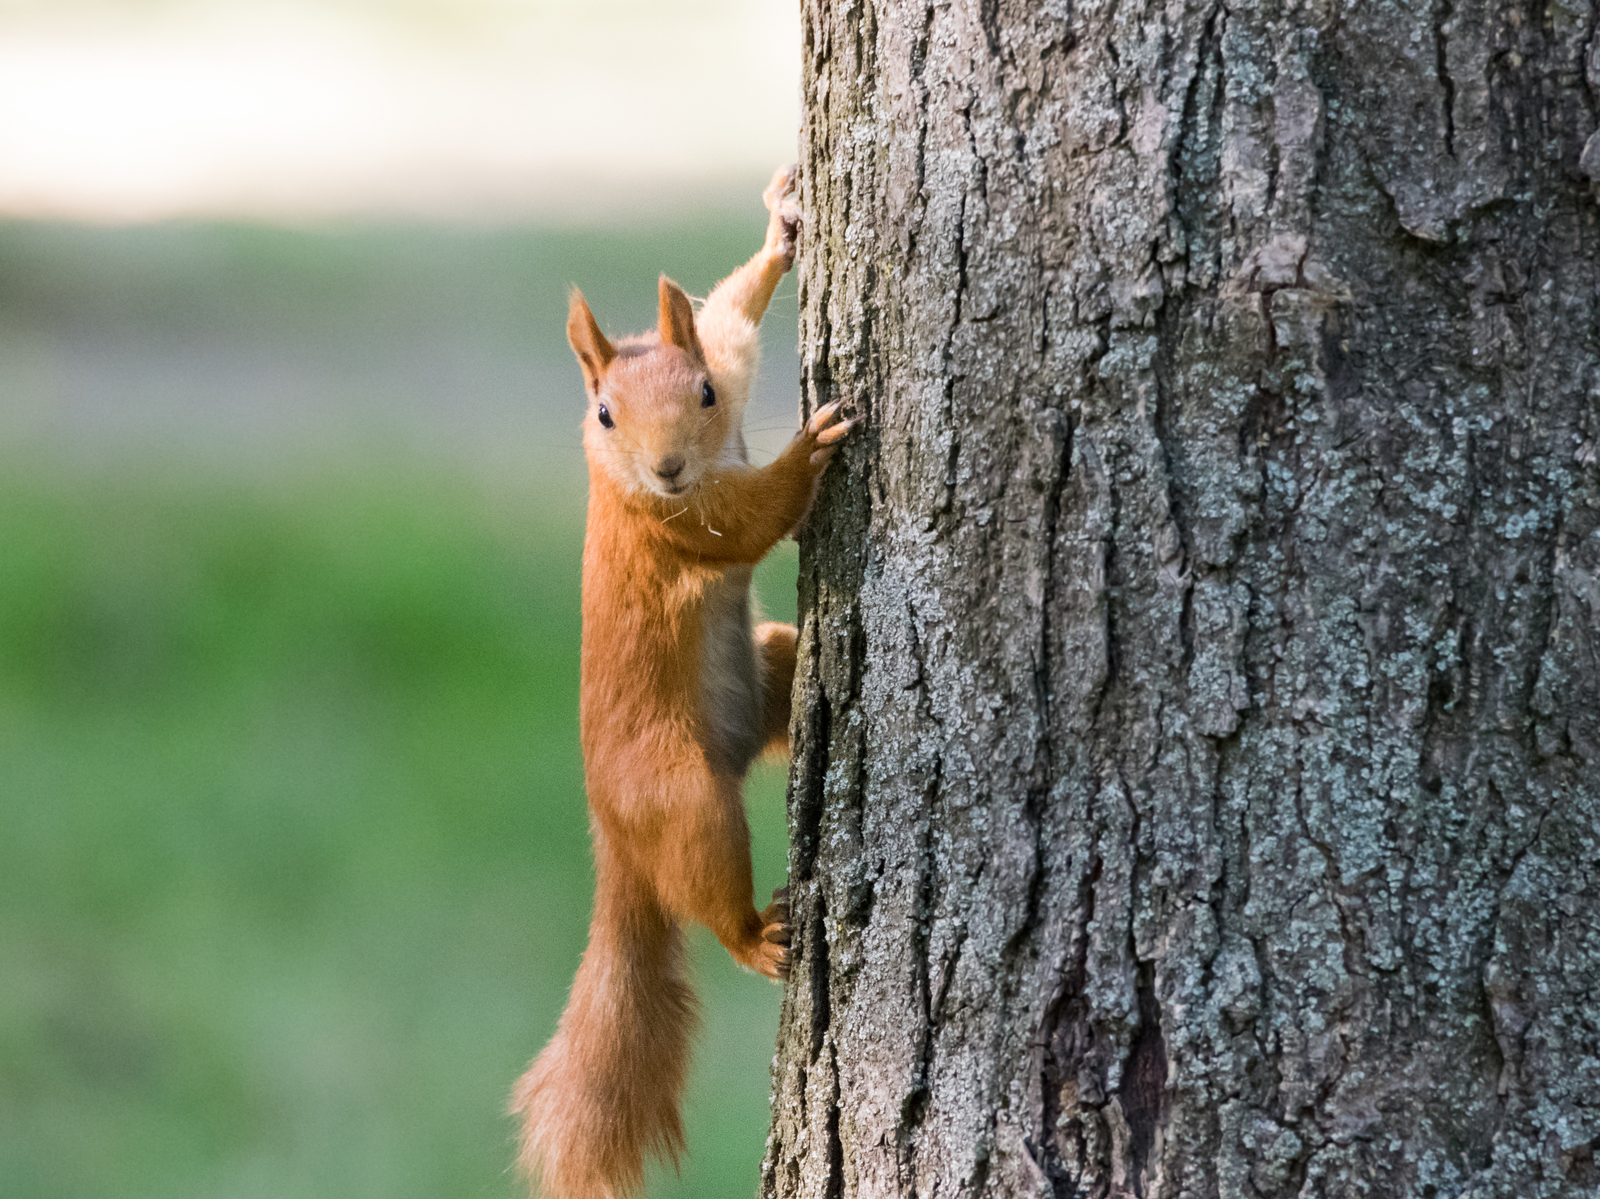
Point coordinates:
pixel 594 352
pixel 677 321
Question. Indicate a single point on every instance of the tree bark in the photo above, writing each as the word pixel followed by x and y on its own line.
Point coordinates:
pixel 1196 785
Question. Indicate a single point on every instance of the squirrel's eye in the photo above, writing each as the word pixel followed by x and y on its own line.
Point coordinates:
pixel 707 396
pixel 605 417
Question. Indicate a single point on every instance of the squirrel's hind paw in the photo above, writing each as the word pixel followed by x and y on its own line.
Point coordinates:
pixel 772 956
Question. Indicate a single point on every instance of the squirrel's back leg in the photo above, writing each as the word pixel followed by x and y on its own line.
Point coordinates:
pixel 701 868
pixel 775 654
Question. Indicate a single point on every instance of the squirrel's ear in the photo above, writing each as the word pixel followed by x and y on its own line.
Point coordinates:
pixel 677 320
pixel 588 343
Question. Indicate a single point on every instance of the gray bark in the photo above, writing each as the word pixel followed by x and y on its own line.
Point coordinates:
pixel 1197 745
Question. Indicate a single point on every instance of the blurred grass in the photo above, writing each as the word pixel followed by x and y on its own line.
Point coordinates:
pixel 294 865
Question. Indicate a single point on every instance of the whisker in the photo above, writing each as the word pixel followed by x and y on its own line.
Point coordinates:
pixel 703 523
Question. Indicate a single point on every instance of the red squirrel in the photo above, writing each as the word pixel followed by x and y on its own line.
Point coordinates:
pixel 678 695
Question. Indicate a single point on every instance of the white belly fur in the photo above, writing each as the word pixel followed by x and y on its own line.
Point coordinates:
pixel 730 681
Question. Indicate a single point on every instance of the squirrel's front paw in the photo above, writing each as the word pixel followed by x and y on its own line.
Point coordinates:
pixel 783 227
pixel 823 433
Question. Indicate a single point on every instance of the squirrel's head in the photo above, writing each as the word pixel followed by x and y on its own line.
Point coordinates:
pixel 655 421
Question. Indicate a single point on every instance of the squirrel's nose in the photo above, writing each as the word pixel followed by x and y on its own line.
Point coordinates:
pixel 670 467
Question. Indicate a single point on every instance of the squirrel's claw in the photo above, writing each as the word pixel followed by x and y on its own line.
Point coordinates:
pixel 823 417
pixel 835 433
pixel 773 957
pixel 823 435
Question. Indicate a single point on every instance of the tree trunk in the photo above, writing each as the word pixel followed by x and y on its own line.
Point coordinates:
pixel 1197 745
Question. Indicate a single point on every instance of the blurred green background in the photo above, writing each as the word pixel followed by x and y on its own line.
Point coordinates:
pixel 294 864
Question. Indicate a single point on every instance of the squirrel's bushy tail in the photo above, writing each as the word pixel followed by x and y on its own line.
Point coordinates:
pixel 605 1091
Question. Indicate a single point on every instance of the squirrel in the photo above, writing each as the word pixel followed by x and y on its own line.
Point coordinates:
pixel 678 695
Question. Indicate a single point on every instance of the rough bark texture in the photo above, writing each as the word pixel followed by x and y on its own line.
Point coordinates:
pixel 1197 772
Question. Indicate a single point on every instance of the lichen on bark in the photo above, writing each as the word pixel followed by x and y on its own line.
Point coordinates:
pixel 1196 787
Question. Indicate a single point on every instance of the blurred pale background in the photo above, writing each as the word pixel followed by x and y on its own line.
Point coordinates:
pixel 294 864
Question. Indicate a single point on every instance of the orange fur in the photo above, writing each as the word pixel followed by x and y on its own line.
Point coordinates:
pixel 678 695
